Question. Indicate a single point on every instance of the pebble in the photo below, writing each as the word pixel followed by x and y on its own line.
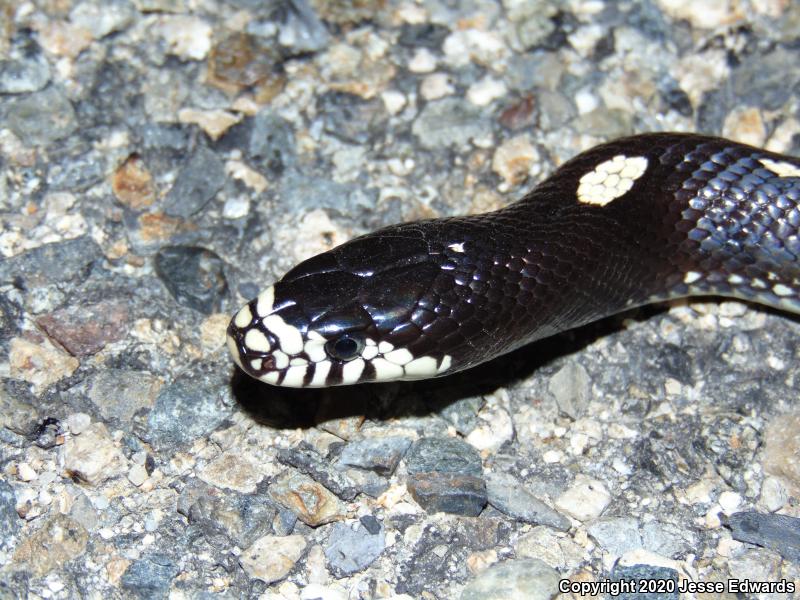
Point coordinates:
pixel 232 470
pixel 271 558
pixel 306 460
pixel 41 118
pixel 77 423
pixel 450 122
pixel 586 499
pixel 197 183
pixel 571 388
pixel 40 365
pixel 58 262
pixel 645 573
pixel 213 122
pixel 423 61
pixel 23 74
pixel 190 407
pixel 507 495
pixel 486 91
pixel 9 520
pixel 194 276
pixel 120 393
pixel 528 578
pixel 449 493
pixel 240 518
pixel 780 533
pixel 85 329
pixel 59 540
pixel 774 494
pixel 311 502
pixel 92 456
pixel 781 456
pixel 379 454
pixel 187 37
pixel 149 577
pixel 435 86
pixel 443 455
pixel 351 549
pixel 513 159
pixel 102 18
pixel 616 535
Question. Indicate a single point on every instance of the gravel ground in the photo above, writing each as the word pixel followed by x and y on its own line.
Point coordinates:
pixel 163 160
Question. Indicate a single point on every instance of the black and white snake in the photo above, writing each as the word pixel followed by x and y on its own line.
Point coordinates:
pixel 637 220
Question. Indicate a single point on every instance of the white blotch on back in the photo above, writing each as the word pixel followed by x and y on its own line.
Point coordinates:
pixel 758 284
pixel 386 371
pixel 352 371
pixel 782 290
pixel 281 360
pixel 294 376
pixel 735 279
pixel 424 366
pixel 611 179
pixel 315 349
pixel 271 377
pixel 243 317
pixel 385 347
pixel 256 364
pixel 369 352
pixel 459 247
pixel 780 168
pixel 234 350
pixel 289 338
pixel 446 362
pixel 266 300
pixel 401 356
pixel 691 277
pixel 321 370
pixel 298 360
pixel 256 340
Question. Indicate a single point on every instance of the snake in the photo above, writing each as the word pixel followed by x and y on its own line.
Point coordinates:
pixel 642 219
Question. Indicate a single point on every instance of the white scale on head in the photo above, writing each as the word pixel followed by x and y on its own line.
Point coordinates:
pixel 389 363
pixel 610 179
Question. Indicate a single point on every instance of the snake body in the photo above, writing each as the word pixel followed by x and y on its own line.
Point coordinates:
pixel 641 219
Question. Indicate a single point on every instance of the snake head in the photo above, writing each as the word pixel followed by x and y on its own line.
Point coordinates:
pixel 351 315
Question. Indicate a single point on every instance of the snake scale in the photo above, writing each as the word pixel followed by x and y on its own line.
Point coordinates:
pixel 637 220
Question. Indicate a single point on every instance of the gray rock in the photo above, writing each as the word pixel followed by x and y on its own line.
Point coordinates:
pixel 301 191
pixel 667 539
pixel 271 143
pixel 302 31
pixel 192 406
pixel 764 81
pixel 306 460
pixel 449 493
pixel 350 550
pixel 119 393
pixel 463 414
pixel 24 74
pixel 52 263
pixel 528 578
pixel 780 533
pixel 450 122
pixel 194 276
pixel 381 455
pixel 10 522
pixel 42 117
pixel 617 535
pixel 508 496
pixel 444 455
pixel 103 17
pixel 198 182
pixel 79 173
pixel 240 518
pixel 368 482
pixel 150 577
pixel 571 389
pixel 636 573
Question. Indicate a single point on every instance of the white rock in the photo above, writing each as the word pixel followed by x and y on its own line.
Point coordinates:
pixel 585 500
pixel 92 456
pixel 436 86
pixel 423 61
pixel 486 91
pixel 270 558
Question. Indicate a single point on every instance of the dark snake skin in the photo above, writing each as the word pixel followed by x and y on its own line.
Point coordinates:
pixel 707 216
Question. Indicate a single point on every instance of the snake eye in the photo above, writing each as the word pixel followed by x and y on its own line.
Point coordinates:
pixel 345 348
